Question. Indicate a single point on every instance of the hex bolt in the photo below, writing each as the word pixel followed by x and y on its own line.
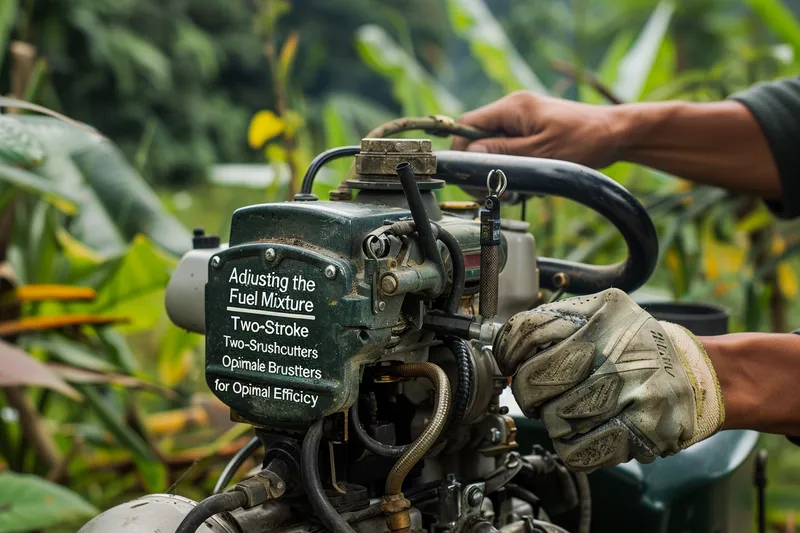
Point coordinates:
pixel 381 306
pixel 330 271
pixel 494 436
pixel 215 261
pixel 269 255
pixel 388 284
pixel 475 496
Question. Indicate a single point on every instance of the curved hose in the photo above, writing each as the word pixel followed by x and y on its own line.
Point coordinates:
pixel 235 463
pixel 585 498
pixel 459 270
pixel 464 385
pixel 515 491
pixel 323 159
pixel 422 222
pixel 309 466
pixel 438 125
pixel 376 447
pixel 218 503
pixel 394 481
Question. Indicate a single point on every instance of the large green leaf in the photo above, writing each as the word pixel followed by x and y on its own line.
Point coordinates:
pixel 635 68
pixel 780 20
pixel 136 288
pixel 115 202
pixel 473 21
pixel 29 503
pixel 131 440
pixel 53 192
pixel 413 87
pixel 73 353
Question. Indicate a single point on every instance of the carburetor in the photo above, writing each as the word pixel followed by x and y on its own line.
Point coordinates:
pixel 366 323
pixel 307 293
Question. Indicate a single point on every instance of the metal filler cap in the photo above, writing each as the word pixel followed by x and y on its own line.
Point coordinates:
pixel 375 164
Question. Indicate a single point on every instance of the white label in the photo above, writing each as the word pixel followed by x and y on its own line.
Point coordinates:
pixel 270 316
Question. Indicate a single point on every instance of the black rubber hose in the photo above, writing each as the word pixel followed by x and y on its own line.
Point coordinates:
pixel 459 270
pixel 419 214
pixel 584 185
pixel 376 447
pixel 515 491
pixel 463 391
pixel 218 503
pixel 309 467
pixel 235 463
pixel 323 159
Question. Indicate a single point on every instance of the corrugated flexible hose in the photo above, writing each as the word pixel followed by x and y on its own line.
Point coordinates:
pixel 437 376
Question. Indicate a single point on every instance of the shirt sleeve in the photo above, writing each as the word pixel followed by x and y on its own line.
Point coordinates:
pixel 776 107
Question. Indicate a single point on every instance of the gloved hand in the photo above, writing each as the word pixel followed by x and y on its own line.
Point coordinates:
pixel 609 381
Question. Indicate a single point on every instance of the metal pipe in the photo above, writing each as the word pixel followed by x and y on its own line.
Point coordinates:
pixel 394 505
pixel 437 376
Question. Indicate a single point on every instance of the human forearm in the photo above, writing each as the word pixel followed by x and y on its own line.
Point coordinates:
pixel 717 143
pixel 759 374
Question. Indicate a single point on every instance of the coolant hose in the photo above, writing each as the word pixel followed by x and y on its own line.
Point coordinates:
pixel 218 503
pixel 437 376
pixel 309 467
pixel 585 498
pixel 459 270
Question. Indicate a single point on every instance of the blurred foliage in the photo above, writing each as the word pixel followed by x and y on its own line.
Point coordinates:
pixel 100 399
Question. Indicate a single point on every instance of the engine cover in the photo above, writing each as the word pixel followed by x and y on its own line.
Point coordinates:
pixel 291 315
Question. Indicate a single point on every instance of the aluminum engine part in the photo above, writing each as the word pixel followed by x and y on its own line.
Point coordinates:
pixel 154 512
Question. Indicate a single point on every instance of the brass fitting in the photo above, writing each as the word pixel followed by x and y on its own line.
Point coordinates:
pixel 395 507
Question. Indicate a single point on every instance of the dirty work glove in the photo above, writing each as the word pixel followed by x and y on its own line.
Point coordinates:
pixel 609 381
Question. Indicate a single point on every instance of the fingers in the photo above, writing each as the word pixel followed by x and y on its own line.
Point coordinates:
pixel 526 334
pixel 501 116
pixel 525 146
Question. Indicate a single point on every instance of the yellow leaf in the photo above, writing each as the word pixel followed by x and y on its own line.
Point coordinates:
pixel 288 52
pixel 673 260
pixel 787 280
pixel 44 323
pixel 75 249
pixel 264 126
pixel 37 293
pixel 778 245
pixel 720 259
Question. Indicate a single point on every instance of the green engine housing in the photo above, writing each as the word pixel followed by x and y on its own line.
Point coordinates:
pixel 294 309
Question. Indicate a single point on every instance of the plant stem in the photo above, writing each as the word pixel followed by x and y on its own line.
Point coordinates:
pixel 282 106
pixel 33 429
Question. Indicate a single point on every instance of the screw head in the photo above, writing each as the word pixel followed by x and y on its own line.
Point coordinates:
pixel 330 271
pixel 280 485
pixel 381 306
pixel 215 261
pixel 475 496
pixel 494 436
pixel 269 255
pixel 389 284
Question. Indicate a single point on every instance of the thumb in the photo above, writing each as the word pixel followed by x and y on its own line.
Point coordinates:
pixel 501 145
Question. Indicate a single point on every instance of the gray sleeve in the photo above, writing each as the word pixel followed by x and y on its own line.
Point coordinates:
pixel 776 107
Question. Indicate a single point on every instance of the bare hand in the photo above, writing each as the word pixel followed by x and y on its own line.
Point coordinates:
pixel 542 126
